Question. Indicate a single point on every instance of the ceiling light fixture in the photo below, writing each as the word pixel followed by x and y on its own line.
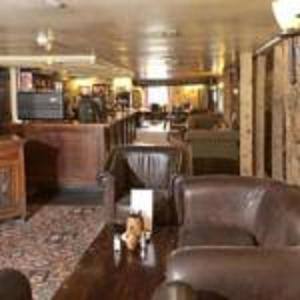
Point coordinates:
pixel 287 14
pixel 55 3
pixel 21 60
pixel 163 33
pixel 45 39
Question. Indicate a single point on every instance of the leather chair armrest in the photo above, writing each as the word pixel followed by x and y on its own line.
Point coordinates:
pixel 254 273
pixel 178 197
pixel 107 183
pixel 174 291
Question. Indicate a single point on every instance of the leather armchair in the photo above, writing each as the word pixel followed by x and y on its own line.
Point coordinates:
pixel 177 290
pixel 236 273
pixel 232 210
pixel 14 285
pixel 149 167
pixel 250 230
pixel 209 151
pixel 203 120
pixel 213 151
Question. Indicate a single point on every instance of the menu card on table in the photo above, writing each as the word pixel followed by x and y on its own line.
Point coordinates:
pixel 141 201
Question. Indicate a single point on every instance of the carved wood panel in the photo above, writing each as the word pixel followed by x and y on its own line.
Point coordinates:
pixel 5 187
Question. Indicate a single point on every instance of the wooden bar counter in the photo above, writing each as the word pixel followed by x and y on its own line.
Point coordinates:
pixel 66 154
pixel 12 178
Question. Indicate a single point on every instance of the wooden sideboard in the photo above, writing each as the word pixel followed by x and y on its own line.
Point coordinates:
pixel 69 155
pixel 12 178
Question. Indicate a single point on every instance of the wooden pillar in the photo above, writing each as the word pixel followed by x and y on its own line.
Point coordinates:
pixel 260 116
pixel 290 96
pixel 246 114
pixel 278 116
pixel 227 95
pixel 13 73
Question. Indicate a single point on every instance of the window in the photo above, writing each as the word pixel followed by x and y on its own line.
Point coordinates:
pixel 158 95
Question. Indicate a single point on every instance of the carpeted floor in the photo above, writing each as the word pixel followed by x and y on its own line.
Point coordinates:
pixel 49 245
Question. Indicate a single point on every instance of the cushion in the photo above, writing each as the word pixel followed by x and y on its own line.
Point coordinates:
pixel 214 235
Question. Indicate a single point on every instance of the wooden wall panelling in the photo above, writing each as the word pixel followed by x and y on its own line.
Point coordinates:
pixel 65 154
pixel 5 113
pixel 227 95
pixel 246 114
pixel 260 116
pixel 278 148
pixel 12 178
pixel 290 98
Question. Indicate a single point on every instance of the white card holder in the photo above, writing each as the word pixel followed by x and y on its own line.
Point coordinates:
pixel 141 201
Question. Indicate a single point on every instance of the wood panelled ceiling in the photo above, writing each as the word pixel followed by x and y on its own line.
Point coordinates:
pixel 152 39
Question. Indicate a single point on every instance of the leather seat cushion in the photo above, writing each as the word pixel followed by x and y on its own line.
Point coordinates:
pixel 214 235
pixel 181 291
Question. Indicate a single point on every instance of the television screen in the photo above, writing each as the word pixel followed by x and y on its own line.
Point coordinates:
pixel 40 105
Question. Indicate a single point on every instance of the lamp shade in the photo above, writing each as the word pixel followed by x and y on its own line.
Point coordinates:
pixel 287 14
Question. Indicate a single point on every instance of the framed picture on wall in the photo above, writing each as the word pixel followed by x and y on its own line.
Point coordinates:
pixel 84 90
pixel 26 81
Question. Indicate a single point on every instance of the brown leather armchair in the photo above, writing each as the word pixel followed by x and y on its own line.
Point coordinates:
pixel 222 210
pixel 177 290
pixel 235 273
pixel 203 120
pixel 149 167
pixel 250 230
pixel 209 151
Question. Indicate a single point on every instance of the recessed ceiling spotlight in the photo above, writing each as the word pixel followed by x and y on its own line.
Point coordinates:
pixel 165 33
pixel 55 3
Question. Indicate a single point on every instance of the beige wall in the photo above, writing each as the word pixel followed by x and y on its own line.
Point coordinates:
pixel 190 93
pixel 178 95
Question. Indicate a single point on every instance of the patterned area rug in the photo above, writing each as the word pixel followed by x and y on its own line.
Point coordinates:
pixel 49 245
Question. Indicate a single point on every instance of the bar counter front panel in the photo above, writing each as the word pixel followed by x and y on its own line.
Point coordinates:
pixel 70 154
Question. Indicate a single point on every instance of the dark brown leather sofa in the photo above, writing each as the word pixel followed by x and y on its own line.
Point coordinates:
pixel 239 239
pixel 14 285
pixel 149 167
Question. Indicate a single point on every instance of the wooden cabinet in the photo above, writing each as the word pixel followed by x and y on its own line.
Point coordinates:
pixel 12 181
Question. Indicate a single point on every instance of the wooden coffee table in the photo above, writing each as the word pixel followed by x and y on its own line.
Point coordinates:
pixel 102 274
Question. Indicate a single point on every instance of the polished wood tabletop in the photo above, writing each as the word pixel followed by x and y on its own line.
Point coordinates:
pixel 107 275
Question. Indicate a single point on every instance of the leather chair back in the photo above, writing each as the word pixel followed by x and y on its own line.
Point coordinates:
pixel 145 166
pixel 213 151
pixel 267 209
pixel 237 273
pixel 203 121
